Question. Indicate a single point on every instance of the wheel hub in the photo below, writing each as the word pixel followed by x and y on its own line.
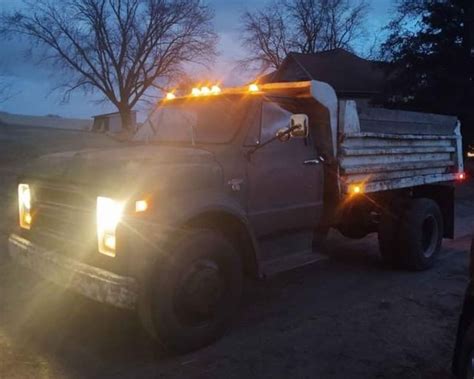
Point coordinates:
pixel 200 292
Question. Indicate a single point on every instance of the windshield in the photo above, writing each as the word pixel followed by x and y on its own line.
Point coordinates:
pixel 192 121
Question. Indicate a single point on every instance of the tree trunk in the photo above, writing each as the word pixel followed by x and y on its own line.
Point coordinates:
pixel 126 133
pixel 126 118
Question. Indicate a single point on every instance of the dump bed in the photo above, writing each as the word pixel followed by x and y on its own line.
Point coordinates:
pixel 381 149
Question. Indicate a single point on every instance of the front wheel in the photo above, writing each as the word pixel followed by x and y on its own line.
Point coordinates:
pixel 195 291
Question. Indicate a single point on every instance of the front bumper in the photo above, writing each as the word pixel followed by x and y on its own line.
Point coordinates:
pixel 92 282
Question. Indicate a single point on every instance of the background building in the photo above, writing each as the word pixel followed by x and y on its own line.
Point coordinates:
pixel 350 75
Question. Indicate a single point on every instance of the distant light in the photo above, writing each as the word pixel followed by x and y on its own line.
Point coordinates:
pixel 253 88
pixel 195 92
pixel 170 96
pixel 215 90
pixel 141 206
pixel 470 154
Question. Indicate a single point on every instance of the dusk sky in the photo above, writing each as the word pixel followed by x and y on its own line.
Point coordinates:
pixel 33 84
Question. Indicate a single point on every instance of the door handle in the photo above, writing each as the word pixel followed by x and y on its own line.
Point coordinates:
pixel 312 162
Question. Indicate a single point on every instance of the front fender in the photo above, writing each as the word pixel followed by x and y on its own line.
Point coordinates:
pixel 182 208
pixel 203 202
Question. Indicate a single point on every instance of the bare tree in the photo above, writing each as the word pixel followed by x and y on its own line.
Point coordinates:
pixel 345 22
pixel 305 26
pixel 266 36
pixel 122 48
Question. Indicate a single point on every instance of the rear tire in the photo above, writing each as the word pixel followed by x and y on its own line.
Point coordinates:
pixel 195 291
pixel 421 234
pixel 410 233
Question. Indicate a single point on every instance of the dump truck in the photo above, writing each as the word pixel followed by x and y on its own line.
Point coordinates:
pixel 224 184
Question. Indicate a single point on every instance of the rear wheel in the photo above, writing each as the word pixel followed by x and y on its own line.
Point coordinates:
pixel 421 234
pixel 195 291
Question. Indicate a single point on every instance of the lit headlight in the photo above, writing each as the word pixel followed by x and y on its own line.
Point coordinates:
pixel 109 214
pixel 24 205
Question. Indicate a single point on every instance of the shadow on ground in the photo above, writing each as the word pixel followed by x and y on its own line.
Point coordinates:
pixel 345 317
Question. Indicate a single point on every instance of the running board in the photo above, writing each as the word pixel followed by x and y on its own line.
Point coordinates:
pixel 290 262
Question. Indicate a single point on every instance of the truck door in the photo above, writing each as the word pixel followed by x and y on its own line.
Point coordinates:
pixel 285 182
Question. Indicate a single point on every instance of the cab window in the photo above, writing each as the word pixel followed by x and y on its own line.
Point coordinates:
pixel 274 118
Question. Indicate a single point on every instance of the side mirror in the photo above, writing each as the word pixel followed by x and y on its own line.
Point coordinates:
pixel 300 124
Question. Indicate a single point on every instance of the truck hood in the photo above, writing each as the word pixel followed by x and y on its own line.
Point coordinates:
pixel 130 169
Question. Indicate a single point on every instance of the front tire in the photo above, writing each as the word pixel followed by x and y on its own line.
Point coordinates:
pixel 195 291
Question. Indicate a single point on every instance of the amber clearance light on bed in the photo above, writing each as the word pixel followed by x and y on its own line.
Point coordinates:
pixel 356 189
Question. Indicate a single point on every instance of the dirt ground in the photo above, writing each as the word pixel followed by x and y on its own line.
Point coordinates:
pixel 345 317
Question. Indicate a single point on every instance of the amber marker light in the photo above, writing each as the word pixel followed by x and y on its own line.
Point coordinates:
pixel 215 90
pixel 205 91
pixel 141 206
pixel 170 96
pixel 356 189
pixel 253 88
pixel 28 219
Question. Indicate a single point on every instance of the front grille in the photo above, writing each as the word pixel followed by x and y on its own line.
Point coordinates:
pixel 63 218
pixel 64 221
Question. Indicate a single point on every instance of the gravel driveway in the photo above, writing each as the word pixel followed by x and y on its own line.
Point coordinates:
pixel 345 317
